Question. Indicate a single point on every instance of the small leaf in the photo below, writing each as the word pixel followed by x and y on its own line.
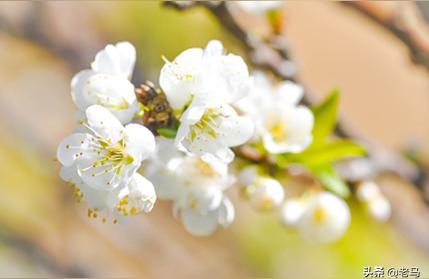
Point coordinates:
pixel 331 152
pixel 328 177
pixel 325 117
pixel 167 132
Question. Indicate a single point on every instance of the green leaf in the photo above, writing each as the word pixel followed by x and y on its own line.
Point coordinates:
pixel 324 154
pixel 325 117
pixel 331 152
pixel 328 177
pixel 167 132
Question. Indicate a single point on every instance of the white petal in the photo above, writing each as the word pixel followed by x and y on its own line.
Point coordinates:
pixel 204 197
pixel 380 209
pixel 114 93
pixel 179 79
pixel 248 175
pixel 78 88
pixel 70 148
pixel 107 61
pixel 289 92
pixel 164 180
pixel 367 190
pixel 104 176
pixel 194 112
pixel 291 212
pixel 226 213
pixel 326 219
pixel 140 142
pixel 268 193
pixel 141 193
pixel 103 123
pixel 235 76
pixel 234 130
pixel 199 224
pixel 259 7
pixel 127 57
pixel 298 132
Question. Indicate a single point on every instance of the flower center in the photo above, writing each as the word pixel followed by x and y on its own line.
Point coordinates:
pixel 132 204
pixel 319 215
pixel 113 155
pixel 207 124
pixel 205 168
pixel 278 130
pixel 112 103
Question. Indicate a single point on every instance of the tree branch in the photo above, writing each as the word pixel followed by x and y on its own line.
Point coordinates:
pixel 403 20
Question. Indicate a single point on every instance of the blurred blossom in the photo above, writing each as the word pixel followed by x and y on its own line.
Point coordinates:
pixel 259 7
pixel 204 83
pixel 263 192
pixel 282 124
pixel 107 83
pixel 376 204
pixel 195 186
pixel 317 216
pixel 101 164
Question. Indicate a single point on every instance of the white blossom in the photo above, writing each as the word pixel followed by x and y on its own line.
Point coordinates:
pixel 263 192
pixel 195 186
pixel 282 124
pixel 221 77
pixel 107 82
pixel 318 217
pixel 108 154
pixel 259 7
pixel 204 83
pixel 210 129
pixel 376 204
pixel 130 198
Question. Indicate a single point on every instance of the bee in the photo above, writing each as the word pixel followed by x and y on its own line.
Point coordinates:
pixel 157 110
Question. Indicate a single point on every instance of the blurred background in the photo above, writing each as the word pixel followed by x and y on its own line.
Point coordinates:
pixel 44 233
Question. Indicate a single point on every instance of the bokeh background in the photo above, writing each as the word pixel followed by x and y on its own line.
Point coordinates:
pixel 43 232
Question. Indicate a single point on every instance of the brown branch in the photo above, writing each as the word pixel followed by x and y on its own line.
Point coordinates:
pixel 274 55
pixel 402 19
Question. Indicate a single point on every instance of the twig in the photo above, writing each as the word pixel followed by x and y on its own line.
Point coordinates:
pixel 404 20
pixel 274 56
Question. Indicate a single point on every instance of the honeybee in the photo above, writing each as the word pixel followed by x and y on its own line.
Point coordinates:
pixel 157 110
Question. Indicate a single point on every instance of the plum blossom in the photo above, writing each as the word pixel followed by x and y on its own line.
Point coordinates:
pixel 318 217
pixel 282 124
pixel 195 186
pixel 376 204
pixel 107 82
pixel 259 7
pixel 108 154
pixel 200 85
pixel 263 192
pixel 130 198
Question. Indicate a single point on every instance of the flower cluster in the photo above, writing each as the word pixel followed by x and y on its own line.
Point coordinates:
pixel 100 161
pixel 207 106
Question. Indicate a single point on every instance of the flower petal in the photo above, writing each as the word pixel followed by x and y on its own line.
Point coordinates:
pixel 107 61
pixel 226 213
pixel 234 130
pixel 141 193
pixel 199 224
pixel 72 148
pixel 78 88
pixel 103 123
pixel 127 57
pixel 140 142
pixel 289 93
pixel 180 79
